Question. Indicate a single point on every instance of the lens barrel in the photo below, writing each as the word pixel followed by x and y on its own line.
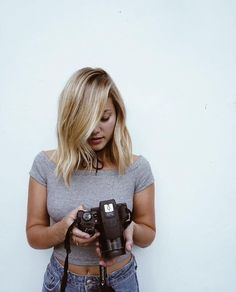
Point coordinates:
pixel 112 248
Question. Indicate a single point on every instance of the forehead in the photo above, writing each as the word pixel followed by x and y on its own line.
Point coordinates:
pixel 109 105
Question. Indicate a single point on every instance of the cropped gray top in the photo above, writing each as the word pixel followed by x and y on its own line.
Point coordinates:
pixel 88 188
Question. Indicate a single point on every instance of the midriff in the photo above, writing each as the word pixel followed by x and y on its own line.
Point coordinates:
pixel 94 270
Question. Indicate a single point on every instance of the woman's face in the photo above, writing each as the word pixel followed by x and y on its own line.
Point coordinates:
pixel 103 132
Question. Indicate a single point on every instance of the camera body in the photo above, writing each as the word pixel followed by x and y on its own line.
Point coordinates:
pixel 110 219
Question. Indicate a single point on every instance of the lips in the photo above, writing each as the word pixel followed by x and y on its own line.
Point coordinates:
pixel 96 140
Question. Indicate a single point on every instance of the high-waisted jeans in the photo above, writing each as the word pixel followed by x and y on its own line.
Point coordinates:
pixel 123 280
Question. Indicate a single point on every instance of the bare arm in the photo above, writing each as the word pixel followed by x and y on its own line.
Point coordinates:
pixel 39 232
pixel 144 217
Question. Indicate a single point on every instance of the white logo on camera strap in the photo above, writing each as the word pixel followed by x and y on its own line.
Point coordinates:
pixel 108 208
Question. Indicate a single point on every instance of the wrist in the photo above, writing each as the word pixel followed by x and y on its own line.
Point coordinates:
pixel 61 228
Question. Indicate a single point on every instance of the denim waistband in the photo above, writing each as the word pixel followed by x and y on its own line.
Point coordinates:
pixel 117 276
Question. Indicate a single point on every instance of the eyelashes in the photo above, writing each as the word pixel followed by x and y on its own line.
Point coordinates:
pixel 105 119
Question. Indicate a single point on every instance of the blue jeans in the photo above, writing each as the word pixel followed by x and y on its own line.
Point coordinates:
pixel 123 280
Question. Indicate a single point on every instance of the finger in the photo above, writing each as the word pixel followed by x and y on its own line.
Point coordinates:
pixel 80 242
pixel 84 241
pixel 74 239
pixel 91 239
pixel 129 245
pixel 79 233
pixel 107 263
pixel 102 263
pixel 128 233
pixel 82 207
pixel 74 212
pixel 98 251
pixel 96 234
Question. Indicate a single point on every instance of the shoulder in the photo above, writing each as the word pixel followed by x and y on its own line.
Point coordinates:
pixel 41 167
pixel 142 173
pixel 139 161
pixel 50 154
pixel 44 157
pixel 135 157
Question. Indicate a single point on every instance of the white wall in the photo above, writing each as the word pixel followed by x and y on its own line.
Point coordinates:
pixel 174 62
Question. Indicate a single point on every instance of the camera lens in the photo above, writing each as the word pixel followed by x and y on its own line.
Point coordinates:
pixel 113 248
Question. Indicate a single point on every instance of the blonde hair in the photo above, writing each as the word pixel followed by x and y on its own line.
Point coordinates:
pixel 81 106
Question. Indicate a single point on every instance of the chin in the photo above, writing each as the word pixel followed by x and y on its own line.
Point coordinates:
pixel 98 147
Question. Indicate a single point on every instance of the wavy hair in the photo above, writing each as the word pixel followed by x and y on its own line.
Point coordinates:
pixel 81 106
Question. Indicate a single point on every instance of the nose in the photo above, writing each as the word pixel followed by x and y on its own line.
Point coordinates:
pixel 96 131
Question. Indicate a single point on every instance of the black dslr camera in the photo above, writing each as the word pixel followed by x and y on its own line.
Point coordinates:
pixel 110 219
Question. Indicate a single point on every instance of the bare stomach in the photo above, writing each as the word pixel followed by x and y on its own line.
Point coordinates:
pixel 94 270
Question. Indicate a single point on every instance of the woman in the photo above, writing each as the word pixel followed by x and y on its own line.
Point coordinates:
pixel 93 162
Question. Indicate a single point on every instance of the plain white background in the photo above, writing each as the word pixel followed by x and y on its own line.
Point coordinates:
pixel 174 63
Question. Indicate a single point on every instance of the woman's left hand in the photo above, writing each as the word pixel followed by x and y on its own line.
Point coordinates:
pixel 128 236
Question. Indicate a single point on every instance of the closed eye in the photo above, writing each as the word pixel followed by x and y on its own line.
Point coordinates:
pixel 105 119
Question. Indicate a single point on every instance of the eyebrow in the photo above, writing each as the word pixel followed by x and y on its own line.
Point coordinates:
pixel 107 110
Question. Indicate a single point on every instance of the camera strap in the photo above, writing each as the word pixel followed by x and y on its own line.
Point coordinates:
pixel 102 270
pixel 68 251
pixel 103 280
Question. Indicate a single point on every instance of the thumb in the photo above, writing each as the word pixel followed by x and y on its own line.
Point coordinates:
pixel 129 245
pixel 128 234
pixel 129 239
pixel 74 212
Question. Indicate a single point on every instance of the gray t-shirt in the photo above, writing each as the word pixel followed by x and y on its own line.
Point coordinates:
pixel 88 188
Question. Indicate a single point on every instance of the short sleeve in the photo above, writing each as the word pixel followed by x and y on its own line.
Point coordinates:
pixel 38 170
pixel 144 176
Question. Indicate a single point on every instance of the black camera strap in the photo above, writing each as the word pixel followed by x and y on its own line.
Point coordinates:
pixel 103 280
pixel 68 251
pixel 103 270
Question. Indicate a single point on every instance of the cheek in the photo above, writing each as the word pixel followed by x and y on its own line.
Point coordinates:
pixel 110 126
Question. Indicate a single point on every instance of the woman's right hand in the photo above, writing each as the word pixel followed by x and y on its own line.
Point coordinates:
pixel 79 237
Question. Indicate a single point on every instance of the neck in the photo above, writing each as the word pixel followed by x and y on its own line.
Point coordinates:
pixel 103 156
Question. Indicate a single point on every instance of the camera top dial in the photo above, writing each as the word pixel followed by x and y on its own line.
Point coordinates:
pixel 86 221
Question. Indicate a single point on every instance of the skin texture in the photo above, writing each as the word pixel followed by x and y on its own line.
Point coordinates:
pixel 41 235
